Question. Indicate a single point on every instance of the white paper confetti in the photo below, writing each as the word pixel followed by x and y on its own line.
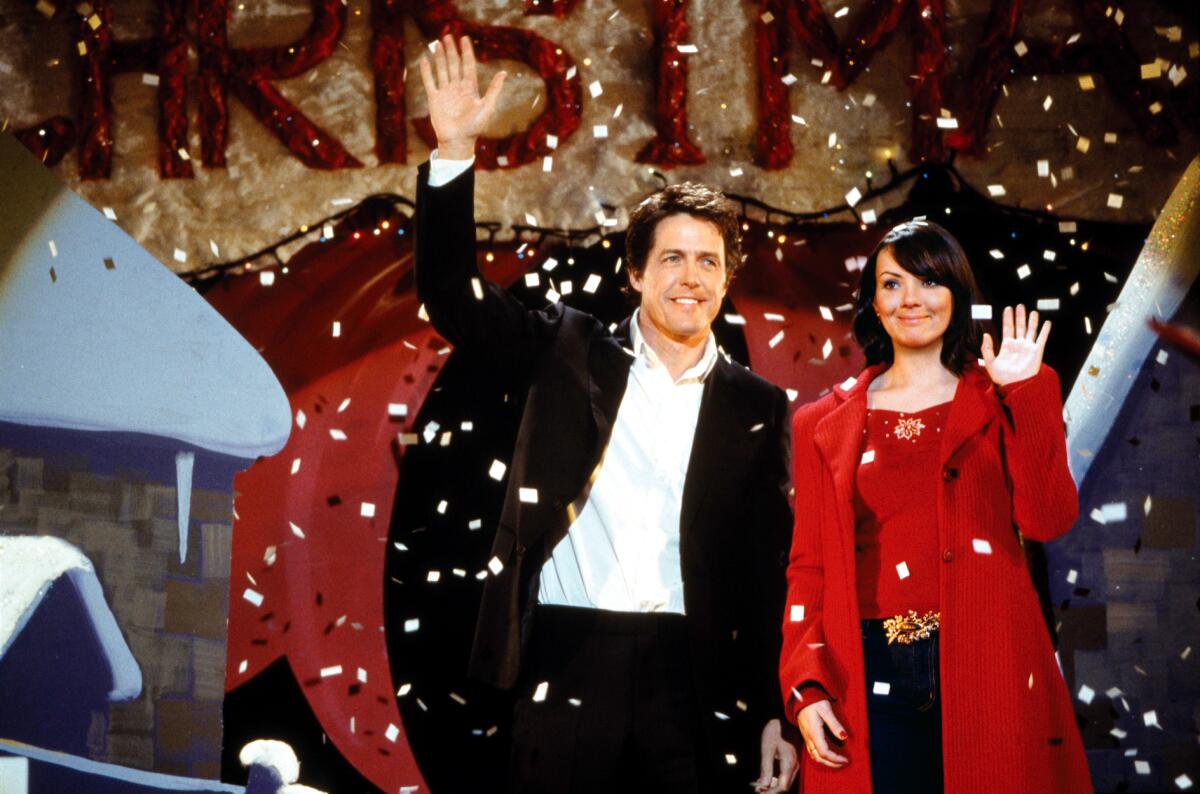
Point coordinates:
pixel 981 546
pixel 796 613
pixel 881 688
pixel 539 694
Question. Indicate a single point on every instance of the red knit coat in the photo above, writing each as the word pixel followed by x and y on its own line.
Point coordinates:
pixel 1007 722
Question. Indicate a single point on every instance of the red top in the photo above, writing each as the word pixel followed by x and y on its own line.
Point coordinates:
pixel 895 512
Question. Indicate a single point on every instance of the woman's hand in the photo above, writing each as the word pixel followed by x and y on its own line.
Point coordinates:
pixel 813 719
pixel 1021 349
pixel 456 110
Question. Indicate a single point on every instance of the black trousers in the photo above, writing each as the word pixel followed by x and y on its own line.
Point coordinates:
pixel 606 704
pixel 904 713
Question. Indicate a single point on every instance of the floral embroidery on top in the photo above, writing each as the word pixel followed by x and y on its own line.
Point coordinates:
pixel 908 429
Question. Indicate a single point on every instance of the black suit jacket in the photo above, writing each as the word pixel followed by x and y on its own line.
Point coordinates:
pixel 571 372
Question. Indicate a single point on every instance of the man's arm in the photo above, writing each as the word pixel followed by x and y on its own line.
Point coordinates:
pixel 465 308
pixel 771 536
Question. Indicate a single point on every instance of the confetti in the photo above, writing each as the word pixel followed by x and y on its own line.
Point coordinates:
pixel 539 694
pixel 1047 304
pixel 327 672
pixel 853 197
pixel 1047 102
pixel 552 141
pixel 295 465
pixel 403 690
pixel 337 435
pixel 797 613
pixel 826 348
pixel 980 312
pixel 868 217
pixel 477 289
pixel 110 213
pixel 1021 49
pixel 996 253
pixel 736 171
pixel 600 131
pixel 366 510
pixel 1115 200
pixel 826 314
pixel 1083 144
pixel 180 255
pixel 253 597
pixel 532 279
pixel 775 340
pixel 1183 782
pixel 266 278
pixel 730 759
pixel 981 546
pixel 547 164
pixel 688 49
pixel 361 675
pixel 868 456
pixel 398 410
pixel 592 283
pixel 595 89
pixel 549 264
pixel 1086 82
pixel 1151 71
pixel 528 495
pixel 1141 767
pixel 391 733
pixel 848 383
pixel 297 531
pixel 996 190
pixel 1043 168
pixel 1110 138
pixel 1150 719
pixel 411 625
pixel 1086 694
pixel 735 319
pixel 902 570
pixel 441 507
pixel 337 329
pixel 1023 271
pixel 497 469
pixel 242 666
pixel 46 8
pixel 947 123
pixel 881 688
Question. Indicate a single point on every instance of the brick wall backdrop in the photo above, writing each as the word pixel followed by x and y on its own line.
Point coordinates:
pixel 171 615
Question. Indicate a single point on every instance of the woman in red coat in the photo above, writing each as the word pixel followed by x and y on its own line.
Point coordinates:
pixel 915 655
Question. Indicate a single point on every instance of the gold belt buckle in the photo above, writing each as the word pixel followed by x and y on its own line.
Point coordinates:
pixel 907 629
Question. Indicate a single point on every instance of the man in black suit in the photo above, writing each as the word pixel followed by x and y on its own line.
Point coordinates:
pixel 635 592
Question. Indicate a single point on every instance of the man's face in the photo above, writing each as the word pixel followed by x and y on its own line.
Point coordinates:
pixel 684 280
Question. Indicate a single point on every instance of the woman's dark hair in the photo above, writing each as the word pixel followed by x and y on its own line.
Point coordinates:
pixel 928 251
pixel 689 198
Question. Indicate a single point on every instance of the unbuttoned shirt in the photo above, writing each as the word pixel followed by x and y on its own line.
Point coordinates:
pixel 621 550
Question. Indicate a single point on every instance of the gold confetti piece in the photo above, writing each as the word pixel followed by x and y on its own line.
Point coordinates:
pixel 1110 137
pixel 868 217
pixel 1083 144
pixel 1151 71
pixel 1115 200
pixel 1119 17
pixel 53 276
pixel 45 8
pixel 1021 49
pixel 94 22
pixel 825 78
pixel 1087 82
pixel 82 47
pixel 553 296
pixel 767 18
pixel 1194 49
pixel 1049 256
pixel 109 264
pixel 1156 108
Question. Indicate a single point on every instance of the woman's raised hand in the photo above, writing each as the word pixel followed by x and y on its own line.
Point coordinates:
pixel 456 110
pixel 813 720
pixel 1021 349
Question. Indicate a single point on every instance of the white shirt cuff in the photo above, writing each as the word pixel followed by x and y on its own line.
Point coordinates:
pixel 443 171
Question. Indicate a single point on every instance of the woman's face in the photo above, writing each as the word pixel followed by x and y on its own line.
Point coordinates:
pixel 915 311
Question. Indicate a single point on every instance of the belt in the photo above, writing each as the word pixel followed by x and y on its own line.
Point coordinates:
pixel 910 627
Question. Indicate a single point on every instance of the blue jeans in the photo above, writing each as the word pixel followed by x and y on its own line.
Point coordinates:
pixel 905 724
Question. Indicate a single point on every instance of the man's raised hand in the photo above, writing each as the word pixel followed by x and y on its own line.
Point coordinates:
pixel 456 110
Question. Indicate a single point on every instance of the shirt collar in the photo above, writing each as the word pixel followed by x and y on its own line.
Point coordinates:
pixel 697 372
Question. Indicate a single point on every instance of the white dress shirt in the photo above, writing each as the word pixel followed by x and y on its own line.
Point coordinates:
pixel 621 551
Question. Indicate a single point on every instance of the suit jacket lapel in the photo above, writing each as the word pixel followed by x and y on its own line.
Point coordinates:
pixel 609 360
pixel 715 425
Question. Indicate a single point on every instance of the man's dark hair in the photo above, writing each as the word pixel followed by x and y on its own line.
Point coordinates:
pixel 927 251
pixel 689 198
